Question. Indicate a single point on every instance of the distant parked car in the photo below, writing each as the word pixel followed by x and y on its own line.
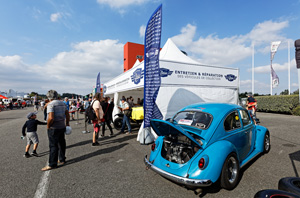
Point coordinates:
pixel 205 142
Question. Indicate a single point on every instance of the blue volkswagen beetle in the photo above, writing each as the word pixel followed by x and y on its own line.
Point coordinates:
pixel 205 142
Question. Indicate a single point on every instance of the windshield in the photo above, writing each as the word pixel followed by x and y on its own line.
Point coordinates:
pixel 196 119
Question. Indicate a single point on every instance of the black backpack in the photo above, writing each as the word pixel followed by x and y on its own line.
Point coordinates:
pixel 90 113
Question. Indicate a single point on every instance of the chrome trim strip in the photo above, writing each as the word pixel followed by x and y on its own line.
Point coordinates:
pixel 250 160
pixel 178 179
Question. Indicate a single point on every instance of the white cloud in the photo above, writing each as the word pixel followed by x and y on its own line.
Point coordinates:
pixel 11 62
pixel 276 67
pixel 267 32
pixel 121 3
pixel 212 49
pixel 55 17
pixel 185 39
pixel 245 82
pixel 142 31
pixel 294 85
pixel 74 71
pixel 229 50
pixel 259 86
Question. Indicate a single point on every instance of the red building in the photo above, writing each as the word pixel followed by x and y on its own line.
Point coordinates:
pixel 132 51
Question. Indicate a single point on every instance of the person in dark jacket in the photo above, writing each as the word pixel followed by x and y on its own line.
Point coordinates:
pixel 107 116
pixel 110 109
pixel 31 135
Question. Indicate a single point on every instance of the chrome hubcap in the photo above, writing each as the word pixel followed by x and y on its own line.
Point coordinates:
pixel 232 169
pixel 267 143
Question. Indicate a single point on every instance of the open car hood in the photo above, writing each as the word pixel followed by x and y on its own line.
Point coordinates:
pixel 164 128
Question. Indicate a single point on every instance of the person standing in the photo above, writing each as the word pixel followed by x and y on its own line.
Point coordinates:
pixel 139 102
pixel 130 102
pixel 125 109
pixel 251 106
pixel 87 103
pixel 67 103
pixel 42 105
pixel 11 105
pixel 36 105
pixel 45 109
pixel 73 110
pixel 111 109
pixel 58 119
pixel 106 117
pixel 99 116
pixel 78 105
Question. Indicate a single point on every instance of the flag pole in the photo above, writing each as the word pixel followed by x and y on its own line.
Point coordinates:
pixel 253 69
pixel 271 77
pixel 289 67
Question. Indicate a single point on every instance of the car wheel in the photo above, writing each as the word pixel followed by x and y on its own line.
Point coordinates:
pixel 267 144
pixel 230 172
pixel 290 184
pixel 269 193
pixel 118 123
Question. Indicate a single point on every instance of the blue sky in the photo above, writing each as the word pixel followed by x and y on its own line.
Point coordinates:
pixel 63 44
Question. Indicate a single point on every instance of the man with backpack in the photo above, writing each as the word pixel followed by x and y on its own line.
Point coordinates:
pixel 86 105
pixel 95 113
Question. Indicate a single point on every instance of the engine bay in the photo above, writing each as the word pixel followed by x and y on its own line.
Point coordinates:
pixel 178 148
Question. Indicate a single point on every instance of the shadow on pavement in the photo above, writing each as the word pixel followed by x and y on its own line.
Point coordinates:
pixel 103 141
pixel 95 153
pixel 295 157
pixel 216 187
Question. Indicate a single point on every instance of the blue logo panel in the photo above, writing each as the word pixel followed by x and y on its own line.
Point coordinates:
pixel 137 75
pixel 230 77
pixel 165 72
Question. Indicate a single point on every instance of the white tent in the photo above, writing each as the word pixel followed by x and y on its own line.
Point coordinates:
pixel 184 81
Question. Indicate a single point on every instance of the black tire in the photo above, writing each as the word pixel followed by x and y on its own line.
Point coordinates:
pixel 230 172
pixel 269 193
pixel 118 123
pixel 290 184
pixel 267 143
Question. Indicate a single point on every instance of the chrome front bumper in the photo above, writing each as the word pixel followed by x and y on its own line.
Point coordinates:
pixel 177 179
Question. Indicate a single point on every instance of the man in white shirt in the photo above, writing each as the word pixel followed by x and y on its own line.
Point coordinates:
pixel 125 108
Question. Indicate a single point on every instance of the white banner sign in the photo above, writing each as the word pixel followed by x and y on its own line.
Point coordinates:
pixel 274 47
pixel 173 73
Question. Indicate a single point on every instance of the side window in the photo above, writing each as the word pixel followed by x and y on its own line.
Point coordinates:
pixel 232 121
pixel 245 117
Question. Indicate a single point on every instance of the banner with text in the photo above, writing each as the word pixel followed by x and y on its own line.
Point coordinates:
pixel 274 47
pixel 98 83
pixel 275 79
pixel 151 67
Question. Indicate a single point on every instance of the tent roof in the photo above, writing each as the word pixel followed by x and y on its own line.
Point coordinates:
pixel 137 62
pixel 3 97
pixel 170 52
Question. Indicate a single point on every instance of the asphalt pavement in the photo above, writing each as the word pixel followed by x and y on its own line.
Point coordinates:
pixel 116 167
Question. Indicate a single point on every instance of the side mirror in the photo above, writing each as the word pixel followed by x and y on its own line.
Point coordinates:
pixel 170 120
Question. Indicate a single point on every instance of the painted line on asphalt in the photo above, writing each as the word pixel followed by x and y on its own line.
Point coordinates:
pixel 120 160
pixel 42 188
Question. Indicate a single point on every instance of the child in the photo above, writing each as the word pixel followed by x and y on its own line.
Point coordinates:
pixel 73 110
pixel 32 137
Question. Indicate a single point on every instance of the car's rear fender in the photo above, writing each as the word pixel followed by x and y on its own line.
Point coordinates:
pixel 157 149
pixel 215 154
pixel 260 136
